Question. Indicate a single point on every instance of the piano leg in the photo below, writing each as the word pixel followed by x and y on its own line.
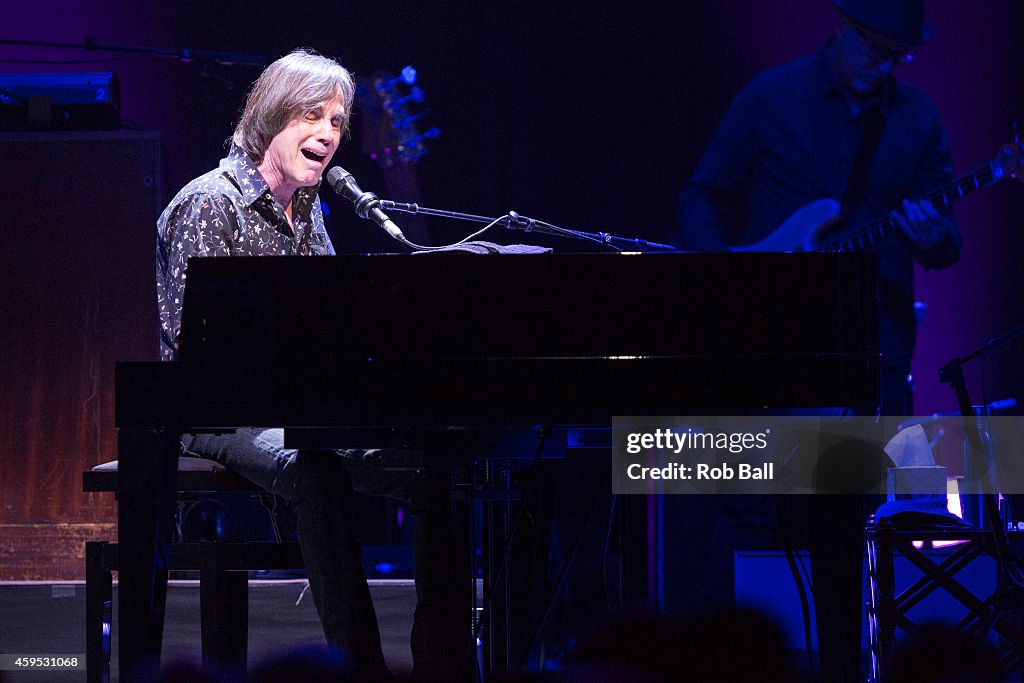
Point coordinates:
pixel 147 483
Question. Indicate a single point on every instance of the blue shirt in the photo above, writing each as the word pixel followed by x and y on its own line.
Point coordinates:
pixel 789 138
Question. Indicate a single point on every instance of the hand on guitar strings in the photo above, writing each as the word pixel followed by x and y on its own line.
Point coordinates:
pixel 923 224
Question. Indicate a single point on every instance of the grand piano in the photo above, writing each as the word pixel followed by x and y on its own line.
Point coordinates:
pixel 355 346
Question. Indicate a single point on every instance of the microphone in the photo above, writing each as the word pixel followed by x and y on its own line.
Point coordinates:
pixel 367 204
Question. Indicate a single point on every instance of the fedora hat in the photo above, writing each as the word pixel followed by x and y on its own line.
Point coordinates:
pixel 901 20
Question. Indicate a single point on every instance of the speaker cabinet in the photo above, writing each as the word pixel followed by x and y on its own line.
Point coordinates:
pixel 77 223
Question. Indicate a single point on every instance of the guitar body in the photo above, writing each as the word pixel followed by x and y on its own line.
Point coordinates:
pixel 807 229
pixel 801 230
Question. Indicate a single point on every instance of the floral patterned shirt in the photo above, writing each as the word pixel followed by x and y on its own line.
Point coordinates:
pixel 229 211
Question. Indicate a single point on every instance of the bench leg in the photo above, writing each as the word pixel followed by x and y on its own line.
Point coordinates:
pixel 224 607
pixel 98 612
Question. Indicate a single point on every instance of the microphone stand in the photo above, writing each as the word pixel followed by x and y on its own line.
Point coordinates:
pixel 514 221
pixel 180 54
pixel 952 374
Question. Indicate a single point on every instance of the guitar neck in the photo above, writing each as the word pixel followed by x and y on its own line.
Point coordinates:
pixel 947 195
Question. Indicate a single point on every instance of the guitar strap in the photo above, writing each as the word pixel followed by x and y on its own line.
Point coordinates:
pixel 857 181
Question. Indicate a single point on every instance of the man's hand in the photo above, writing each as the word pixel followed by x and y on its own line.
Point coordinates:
pixel 925 226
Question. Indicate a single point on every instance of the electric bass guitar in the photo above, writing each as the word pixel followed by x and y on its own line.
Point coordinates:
pixel 812 227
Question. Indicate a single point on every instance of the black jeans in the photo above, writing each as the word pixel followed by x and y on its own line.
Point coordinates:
pixel 319 485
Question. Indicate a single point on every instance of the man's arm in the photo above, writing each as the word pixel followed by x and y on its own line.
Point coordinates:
pixel 718 182
pixel 932 229
pixel 200 225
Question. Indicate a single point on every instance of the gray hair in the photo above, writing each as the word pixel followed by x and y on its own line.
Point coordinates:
pixel 297 83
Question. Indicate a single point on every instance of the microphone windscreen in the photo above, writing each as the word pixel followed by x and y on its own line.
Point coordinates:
pixel 336 178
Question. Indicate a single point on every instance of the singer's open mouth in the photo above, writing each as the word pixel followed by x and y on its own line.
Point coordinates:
pixel 313 156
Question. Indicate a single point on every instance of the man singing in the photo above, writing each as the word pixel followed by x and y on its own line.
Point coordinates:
pixel 262 200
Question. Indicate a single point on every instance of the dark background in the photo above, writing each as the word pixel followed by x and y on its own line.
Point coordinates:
pixel 587 116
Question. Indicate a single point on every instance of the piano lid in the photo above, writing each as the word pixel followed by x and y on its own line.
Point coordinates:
pixel 309 311
pixel 358 341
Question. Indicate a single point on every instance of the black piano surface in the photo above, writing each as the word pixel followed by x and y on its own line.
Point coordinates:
pixel 460 339
pixel 370 342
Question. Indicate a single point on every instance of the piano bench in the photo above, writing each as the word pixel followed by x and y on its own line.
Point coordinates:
pixel 195 475
pixel 222 565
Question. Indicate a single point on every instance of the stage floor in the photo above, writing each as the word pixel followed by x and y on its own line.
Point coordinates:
pixel 44 618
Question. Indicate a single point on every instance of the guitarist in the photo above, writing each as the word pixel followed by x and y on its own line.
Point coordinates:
pixel 793 136
pixel 836 124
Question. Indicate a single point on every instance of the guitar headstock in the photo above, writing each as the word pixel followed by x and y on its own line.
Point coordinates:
pixel 1010 162
pixel 393 118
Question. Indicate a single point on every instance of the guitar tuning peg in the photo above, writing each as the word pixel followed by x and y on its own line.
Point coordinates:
pixel 407 76
pixel 415 95
pixel 405 123
pixel 432 132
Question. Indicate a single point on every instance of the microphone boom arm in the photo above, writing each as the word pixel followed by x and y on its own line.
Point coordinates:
pixel 514 221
